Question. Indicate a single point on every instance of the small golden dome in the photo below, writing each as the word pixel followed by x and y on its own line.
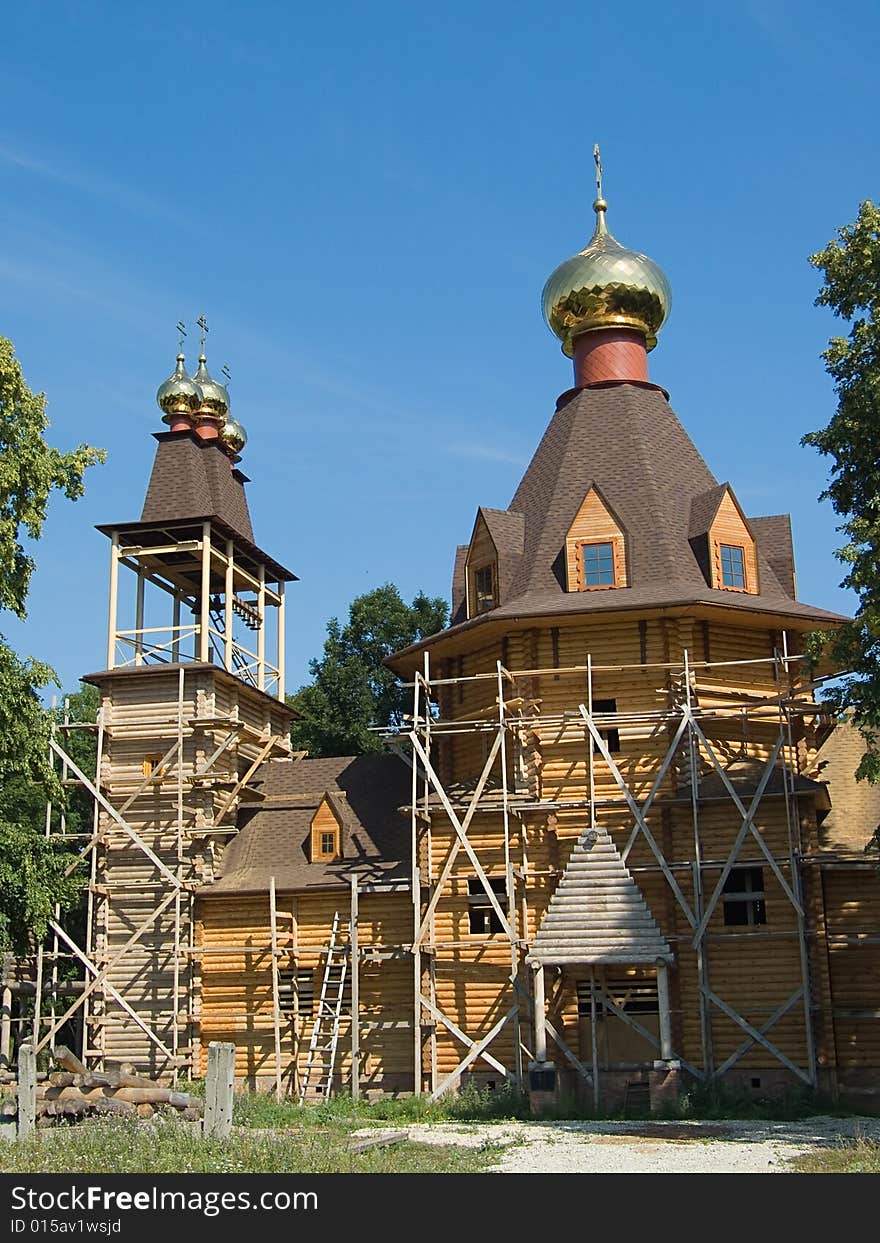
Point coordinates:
pixel 213 397
pixel 606 286
pixel 233 435
pixel 179 394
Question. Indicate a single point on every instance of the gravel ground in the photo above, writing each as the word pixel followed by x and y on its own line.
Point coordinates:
pixel 648 1147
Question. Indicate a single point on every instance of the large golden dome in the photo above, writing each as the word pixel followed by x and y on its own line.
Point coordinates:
pixel 606 286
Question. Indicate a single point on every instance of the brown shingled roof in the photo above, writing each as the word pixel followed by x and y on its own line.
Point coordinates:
pixel 627 440
pixel 508 533
pixel 366 792
pixel 773 534
pixel 191 478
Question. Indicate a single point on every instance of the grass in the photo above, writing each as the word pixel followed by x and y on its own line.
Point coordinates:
pixel 273 1137
pixel 861 1156
pixel 707 1103
pixel 166 1145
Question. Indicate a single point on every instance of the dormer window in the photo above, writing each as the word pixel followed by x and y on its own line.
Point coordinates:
pixel 597 564
pixel 595 547
pixel 325 838
pixel 484 589
pixel 733 567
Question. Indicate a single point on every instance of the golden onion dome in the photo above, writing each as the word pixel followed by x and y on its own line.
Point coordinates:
pixel 606 286
pixel 179 394
pixel 233 435
pixel 213 397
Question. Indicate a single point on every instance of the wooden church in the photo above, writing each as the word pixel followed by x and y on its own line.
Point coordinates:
pixel 618 846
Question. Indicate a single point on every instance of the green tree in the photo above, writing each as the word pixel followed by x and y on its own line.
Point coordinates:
pixel 851 267
pixel 32 866
pixel 30 470
pixel 352 688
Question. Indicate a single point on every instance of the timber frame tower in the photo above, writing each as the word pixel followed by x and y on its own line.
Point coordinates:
pixel 192 704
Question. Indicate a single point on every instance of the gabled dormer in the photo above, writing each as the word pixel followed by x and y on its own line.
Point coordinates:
pixel 492 555
pixel 723 541
pixel 326 831
pixel 595 546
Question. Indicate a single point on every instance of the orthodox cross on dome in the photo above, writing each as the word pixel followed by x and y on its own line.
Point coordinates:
pixel 597 157
pixel 181 334
pixel 203 324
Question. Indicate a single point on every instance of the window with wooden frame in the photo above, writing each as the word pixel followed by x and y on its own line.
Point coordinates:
pixel 484 596
pixel 325 845
pixel 482 917
pixel 597 564
pixel 732 558
pixel 742 897
pixel 151 763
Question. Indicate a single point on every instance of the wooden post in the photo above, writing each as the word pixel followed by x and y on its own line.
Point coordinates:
pixel 281 624
pixel 205 610
pixel 594 1015
pixel 27 1090
pixel 261 633
pixel 276 1003
pixel 663 1006
pixel 219 1084
pixel 540 1017
pixel 417 910
pixel 139 618
pixel 230 616
pixel 355 993
pixel 6 1028
pixel 38 998
pixel 114 601
pixel 175 622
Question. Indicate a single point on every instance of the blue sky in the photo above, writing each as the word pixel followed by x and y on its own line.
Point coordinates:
pixel 365 200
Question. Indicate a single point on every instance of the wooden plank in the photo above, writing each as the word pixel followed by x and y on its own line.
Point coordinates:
pixel 219 1087
pixel 27 1090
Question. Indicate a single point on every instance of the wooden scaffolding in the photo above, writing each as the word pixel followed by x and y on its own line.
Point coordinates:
pixel 508 789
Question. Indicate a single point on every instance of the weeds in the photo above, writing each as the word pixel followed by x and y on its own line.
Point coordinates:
pixel 861 1156
pixel 170 1146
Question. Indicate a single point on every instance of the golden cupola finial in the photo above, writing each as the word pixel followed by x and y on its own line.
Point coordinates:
pixel 606 286
pixel 213 397
pixel 178 395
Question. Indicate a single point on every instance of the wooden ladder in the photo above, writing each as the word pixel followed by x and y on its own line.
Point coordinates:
pixel 325 1031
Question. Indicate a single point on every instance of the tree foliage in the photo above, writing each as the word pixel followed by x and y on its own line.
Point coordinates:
pixel 32 866
pixel 352 688
pixel 30 470
pixel 851 267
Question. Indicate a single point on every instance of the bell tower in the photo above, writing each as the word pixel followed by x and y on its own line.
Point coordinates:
pixel 192 704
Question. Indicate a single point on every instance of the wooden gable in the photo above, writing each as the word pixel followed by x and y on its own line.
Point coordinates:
pixel 594 523
pixel 482 557
pixel 730 528
pixel 326 843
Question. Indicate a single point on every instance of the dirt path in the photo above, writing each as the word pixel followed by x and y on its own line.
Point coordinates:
pixel 649 1147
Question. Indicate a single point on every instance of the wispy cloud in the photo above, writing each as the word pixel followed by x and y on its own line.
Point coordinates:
pixel 484 453
pixel 93 183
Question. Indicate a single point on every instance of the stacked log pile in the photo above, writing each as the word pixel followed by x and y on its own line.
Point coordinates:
pixel 74 1092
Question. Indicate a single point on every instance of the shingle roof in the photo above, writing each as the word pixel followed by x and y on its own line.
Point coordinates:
pixel 627 440
pixel 192 479
pixel 773 534
pixel 508 532
pixel 704 507
pixel 459 588
pixel 366 791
